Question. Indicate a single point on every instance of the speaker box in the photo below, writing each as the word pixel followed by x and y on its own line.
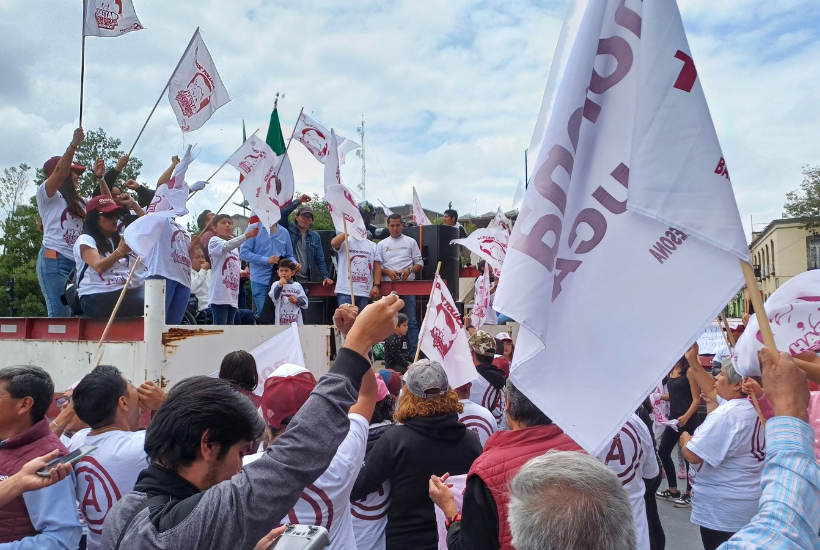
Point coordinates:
pixel 435 247
pixel 326 236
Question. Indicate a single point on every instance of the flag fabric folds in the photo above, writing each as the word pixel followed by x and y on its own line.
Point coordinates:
pixel 173 195
pixel 196 90
pixel 489 243
pixel 253 151
pixel 144 232
pixel 333 174
pixel 481 300
pixel 502 222
pixel 283 348
pixel 419 216
pixel 794 315
pixel 343 208
pixel 387 211
pixel 316 139
pixel 109 18
pixel 444 339
pixel 608 221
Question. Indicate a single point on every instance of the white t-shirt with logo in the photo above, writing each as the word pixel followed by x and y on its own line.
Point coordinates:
pixel 483 393
pixel 631 456
pixel 109 281
pixel 370 518
pixel 285 311
pixel 362 256
pixel 169 257
pixel 106 475
pixel 225 268
pixel 478 420
pixel 727 489
pixel 60 229
pixel 398 255
pixel 326 501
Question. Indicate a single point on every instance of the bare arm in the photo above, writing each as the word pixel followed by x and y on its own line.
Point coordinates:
pixel 690 457
pixel 91 256
pixel 63 168
pixel 703 379
pixel 336 242
pixel 695 389
pixel 809 362
pixel 377 272
pixel 166 176
pixel 99 172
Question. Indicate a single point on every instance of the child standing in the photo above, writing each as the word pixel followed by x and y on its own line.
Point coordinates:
pixel 397 348
pixel 223 293
pixel 288 296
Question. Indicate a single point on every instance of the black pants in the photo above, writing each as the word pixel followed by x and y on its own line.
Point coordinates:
pixel 100 306
pixel 712 539
pixel 670 438
pixel 657 538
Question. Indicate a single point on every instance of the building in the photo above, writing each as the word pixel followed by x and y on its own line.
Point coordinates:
pixel 406 213
pixel 483 220
pixel 781 251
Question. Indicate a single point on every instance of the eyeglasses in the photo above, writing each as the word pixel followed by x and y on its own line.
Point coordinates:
pixel 111 215
pixel 63 401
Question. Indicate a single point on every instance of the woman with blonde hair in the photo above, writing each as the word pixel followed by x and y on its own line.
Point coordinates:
pixel 427 440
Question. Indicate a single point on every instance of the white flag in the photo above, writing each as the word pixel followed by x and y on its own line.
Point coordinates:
pixel 316 138
pixel 283 348
pixel 387 211
pixel 794 314
pixel 489 243
pixel 144 232
pixel 418 212
pixel 502 222
pixel 252 152
pixel 110 18
pixel 481 301
pixel 275 190
pixel 443 338
pixel 343 207
pixel 173 195
pixel 333 175
pixel 195 90
pixel 578 244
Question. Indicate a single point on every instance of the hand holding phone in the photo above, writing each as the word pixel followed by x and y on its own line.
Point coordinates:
pixel 70 458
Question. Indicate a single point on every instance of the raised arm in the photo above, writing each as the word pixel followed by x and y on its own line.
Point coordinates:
pixel 336 242
pixel 63 168
pixel 165 177
pixel 703 379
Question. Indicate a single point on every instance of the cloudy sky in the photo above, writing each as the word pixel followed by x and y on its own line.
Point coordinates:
pixel 450 90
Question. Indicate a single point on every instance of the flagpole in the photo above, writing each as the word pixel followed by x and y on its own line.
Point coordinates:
pixel 100 346
pixel 421 242
pixel 762 321
pixel 349 265
pixel 426 314
pixel 729 334
pixel 221 166
pixel 167 84
pixel 82 64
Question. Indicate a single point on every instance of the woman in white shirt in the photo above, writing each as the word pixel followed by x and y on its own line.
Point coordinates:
pixel 728 450
pixel 104 262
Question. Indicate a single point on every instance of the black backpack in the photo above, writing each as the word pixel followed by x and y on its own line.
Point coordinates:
pixel 70 296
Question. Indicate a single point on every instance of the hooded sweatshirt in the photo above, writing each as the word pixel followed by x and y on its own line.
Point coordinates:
pixel 408 455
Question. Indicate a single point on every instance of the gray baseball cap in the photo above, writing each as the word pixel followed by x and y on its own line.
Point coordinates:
pixel 426 379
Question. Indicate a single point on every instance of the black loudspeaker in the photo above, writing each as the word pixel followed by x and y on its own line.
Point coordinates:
pixel 326 236
pixel 436 247
pixel 319 312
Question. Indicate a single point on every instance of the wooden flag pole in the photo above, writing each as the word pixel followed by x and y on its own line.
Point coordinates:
pixel 729 334
pixel 762 321
pixel 349 265
pixel 421 242
pixel 424 323
pixel 167 84
pixel 221 166
pixel 100 346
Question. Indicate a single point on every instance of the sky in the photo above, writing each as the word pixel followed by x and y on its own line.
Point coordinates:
pixel 449 90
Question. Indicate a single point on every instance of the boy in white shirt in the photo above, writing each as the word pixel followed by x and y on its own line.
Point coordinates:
pixel 288 296
pixel 223 250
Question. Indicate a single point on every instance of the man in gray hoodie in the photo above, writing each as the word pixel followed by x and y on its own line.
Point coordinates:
pixel 196 494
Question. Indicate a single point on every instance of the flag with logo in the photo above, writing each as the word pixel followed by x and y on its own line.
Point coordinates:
pixel 387 211
pixel 794 315
pixel 109 18
pixel 481 300
pixel 196 90
pixel 333 174
pixel 419 216
pixel 283 348
pixel 502 222
pixel 173 194
pixel 629 192
pixel 316 139
pixel 252 152
pixel 343 208
pixel 443 338
pixel 489 243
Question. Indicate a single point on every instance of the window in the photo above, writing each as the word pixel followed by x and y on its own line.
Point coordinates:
pixel 813 251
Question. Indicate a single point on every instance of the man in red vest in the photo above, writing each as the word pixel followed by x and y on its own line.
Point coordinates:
pixel 46 518
pixel 484 525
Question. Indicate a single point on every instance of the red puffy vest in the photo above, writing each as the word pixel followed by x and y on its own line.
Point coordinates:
pixel 14 453
pixel 504 454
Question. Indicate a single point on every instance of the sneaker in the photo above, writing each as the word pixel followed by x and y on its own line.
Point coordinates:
pixel 666 495
pixel 685 501
pixel 681 472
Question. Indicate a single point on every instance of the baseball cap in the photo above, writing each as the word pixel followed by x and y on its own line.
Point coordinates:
pixel 304 209
pixel 392 380
pixel 286 390
pixel 101 204
pixel 426 379
pixel 503 336
pixel 482 343
pixel 51 164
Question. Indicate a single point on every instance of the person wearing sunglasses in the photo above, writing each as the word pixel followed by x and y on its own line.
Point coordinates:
pixel 104 262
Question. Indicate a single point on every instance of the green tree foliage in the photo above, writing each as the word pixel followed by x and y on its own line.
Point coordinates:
pixel 21 243
pixel 98 144
pixel 805 202
pixel 13 184
pixel 321 215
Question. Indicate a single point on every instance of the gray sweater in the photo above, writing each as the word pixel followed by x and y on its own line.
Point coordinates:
pixel 237 513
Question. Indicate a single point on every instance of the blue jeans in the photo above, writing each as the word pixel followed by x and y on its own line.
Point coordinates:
pixel 409 309
pixel 52 274
pixel 176 300
pixel 361 301
pixel 244 317
pixel 260 292
pixel 223 314
pixel 100 306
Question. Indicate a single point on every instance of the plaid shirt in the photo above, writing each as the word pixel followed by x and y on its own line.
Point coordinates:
pixel 789 513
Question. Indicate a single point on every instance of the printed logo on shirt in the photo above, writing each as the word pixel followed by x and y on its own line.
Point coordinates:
pixel 377 507
pixel 99 492
pixel 73 227
pixel 478 425
pixel 361 267
pixel 493 405
pixel 180 242
pixel 318 500
pixel 625 454
pixel 230 272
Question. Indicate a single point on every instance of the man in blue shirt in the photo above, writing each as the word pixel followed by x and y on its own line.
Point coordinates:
pixel 262 253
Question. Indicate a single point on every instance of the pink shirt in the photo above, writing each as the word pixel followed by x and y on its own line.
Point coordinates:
pixel 814 416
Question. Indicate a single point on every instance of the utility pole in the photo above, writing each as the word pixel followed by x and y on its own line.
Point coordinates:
pixel 360 153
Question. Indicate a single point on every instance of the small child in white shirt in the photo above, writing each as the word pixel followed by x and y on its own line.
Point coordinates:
pixel 288 296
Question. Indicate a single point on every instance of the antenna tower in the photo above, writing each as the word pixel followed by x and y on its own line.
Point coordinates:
pixel 360 154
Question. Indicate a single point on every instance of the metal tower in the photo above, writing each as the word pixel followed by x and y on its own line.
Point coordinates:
pixel 360 154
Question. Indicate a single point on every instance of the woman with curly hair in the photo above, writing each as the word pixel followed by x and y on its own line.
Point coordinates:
pixel 428 440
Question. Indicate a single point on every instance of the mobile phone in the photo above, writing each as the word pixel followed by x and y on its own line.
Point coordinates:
pixel 301 537
pixel 70 458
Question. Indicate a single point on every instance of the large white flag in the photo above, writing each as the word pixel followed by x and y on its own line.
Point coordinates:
pixel 144 232
pixel 794 315
pixel 419 216
pixel 343 209
pixel 489 243
pixel 266 191
pixel 252 152
pixel 110 18
pixel 387 211
pixel 638 128
pixel 316 139
pixel 333 174
pixel 481 300
pixel 283 348
pixel 195 90
pixel 443 339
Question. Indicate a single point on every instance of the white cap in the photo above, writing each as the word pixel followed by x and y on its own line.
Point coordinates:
pixel 503 336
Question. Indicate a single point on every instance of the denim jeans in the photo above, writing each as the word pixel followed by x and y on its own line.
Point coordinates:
pixel 259 291
pixel 223 314
pixel 100 306
pixel 361 301
pixel 52 274
pixel 409 309
pixel 176 300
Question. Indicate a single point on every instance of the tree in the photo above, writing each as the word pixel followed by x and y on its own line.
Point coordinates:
pixel 21 244
pixel 97 144
pixel 321 215
pixel 13 184
pixel 805 202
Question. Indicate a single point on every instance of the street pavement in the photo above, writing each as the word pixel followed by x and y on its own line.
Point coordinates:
pixel 680 533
